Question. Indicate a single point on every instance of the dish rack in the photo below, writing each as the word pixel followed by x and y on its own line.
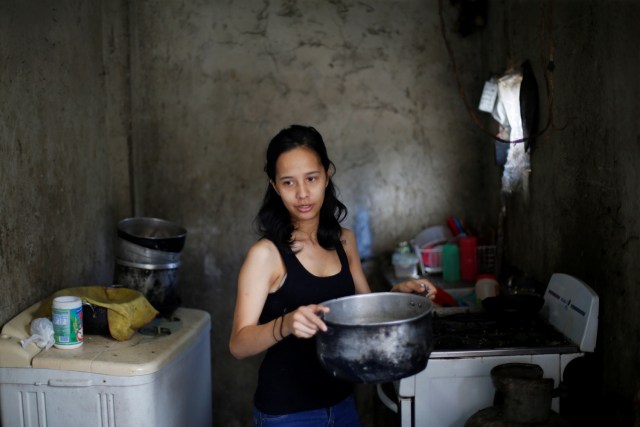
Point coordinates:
pixel 486 259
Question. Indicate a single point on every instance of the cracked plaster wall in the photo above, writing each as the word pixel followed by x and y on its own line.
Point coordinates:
pixel 214 81
pixel 581 217
pixel 188 93
pixel 63 148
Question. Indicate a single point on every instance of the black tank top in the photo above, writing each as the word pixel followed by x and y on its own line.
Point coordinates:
pixel 291 378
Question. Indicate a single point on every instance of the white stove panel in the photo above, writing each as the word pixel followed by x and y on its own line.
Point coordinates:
pixel 572 307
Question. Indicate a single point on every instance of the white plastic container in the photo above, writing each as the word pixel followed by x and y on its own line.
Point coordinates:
pixel 406 268
pixel 405 262
pixel 162 380
pixel 487 286
pixel 66 312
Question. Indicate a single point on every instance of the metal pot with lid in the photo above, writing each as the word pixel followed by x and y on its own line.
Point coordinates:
pixel 376 338
pixel 148 254
pixel 153 233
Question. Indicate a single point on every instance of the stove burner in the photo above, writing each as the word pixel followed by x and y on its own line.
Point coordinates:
pixel 479 331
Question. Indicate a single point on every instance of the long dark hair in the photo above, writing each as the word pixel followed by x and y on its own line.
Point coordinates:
pixel 273 220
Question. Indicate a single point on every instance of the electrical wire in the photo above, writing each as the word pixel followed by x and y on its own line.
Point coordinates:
pixel 544 16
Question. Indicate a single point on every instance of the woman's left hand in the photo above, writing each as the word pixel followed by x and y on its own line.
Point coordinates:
pixel 418 286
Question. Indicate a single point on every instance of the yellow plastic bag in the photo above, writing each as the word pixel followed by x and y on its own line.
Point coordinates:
pixel 127 309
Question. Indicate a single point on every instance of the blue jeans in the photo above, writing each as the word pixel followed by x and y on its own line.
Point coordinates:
pixel 342 414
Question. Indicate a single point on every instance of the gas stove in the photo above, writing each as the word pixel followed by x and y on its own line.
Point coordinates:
pixel 469 343
pixel 480 334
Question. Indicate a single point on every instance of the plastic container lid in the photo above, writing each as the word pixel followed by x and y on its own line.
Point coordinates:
pixel 432 236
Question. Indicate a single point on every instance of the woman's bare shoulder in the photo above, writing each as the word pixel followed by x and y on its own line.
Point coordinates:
pixel 262 265
pixel 264 250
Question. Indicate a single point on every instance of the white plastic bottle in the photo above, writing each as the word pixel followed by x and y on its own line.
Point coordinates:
pixel 66 313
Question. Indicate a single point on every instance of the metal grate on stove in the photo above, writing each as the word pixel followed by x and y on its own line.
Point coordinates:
pixel 480 331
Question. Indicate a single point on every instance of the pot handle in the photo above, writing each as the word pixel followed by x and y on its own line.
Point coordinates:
pixel 329 330
pixel 393 406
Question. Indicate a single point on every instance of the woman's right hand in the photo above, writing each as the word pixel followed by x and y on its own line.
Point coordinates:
pixel 304 322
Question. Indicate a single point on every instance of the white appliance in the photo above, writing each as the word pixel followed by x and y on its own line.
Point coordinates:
pixel 159 378
pixel 457 383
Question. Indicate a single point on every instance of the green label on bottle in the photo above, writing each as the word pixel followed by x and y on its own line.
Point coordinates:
pixel 67 326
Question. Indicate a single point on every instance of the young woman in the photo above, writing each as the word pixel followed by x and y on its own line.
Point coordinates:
pixel 303 258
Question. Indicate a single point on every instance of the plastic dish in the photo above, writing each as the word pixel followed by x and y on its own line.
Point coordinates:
pixel 428 243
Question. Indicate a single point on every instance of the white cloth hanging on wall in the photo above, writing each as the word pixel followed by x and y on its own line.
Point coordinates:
pixel 507 113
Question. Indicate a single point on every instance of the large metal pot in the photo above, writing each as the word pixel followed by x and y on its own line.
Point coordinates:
pixel 153 233
pixel 147 259
pixel 376 338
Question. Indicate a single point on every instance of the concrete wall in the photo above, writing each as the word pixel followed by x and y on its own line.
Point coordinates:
pixel 214 81
pixel 582 214
pixel 164 109
pixel 63 155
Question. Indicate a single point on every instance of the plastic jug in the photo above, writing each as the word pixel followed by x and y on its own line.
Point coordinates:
pixel 451 262
pixel 468 258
